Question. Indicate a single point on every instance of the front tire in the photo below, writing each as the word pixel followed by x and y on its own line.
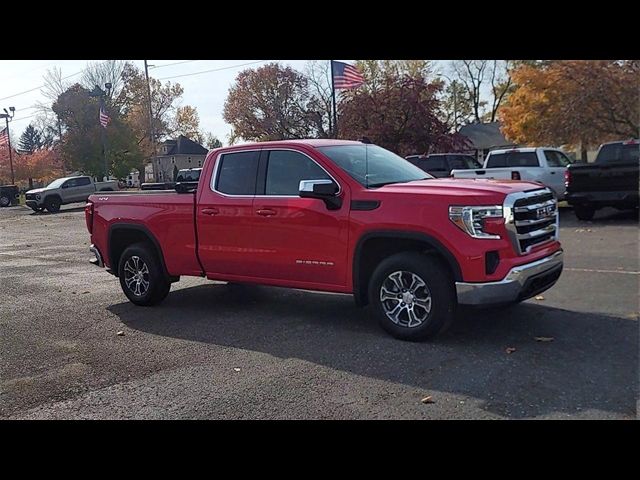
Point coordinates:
pixel 141 276
pixel 52 204
pixel 412 296
pixel 584 212
pixel 5 201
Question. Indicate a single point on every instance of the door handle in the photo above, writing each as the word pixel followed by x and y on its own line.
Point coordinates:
pixel 265 212
pixel 552 173
pixel 210 211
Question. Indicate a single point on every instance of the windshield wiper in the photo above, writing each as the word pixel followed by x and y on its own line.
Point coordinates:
pixel 382 184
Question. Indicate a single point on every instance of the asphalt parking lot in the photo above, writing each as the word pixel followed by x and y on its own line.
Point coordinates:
pixel 217 351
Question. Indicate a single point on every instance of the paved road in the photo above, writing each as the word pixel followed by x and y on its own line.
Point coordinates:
pixel 219 351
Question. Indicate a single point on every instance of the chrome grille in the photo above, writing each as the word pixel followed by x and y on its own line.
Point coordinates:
pixel 531 219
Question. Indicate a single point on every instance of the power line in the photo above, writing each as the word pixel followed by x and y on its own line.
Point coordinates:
pixel 212 70
pixel 169 64
pixel 42 86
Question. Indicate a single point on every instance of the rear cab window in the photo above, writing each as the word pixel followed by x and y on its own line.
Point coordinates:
pixel 618 152
pixel 236 173
pixel 513 159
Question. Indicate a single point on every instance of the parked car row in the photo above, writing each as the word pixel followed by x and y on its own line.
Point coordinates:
pixel 611 181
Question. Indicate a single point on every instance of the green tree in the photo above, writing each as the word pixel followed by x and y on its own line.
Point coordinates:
pixel 30 140
pixel 211 141
pixel 82 145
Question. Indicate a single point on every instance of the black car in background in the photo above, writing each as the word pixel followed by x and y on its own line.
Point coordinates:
pixel 187 177
pixel 8 195
pixel 440 164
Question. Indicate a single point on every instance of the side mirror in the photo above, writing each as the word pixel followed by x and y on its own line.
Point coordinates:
pixel 184 187
pixel 324 189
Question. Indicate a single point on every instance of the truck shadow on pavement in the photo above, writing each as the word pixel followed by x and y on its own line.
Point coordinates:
pixel 590 364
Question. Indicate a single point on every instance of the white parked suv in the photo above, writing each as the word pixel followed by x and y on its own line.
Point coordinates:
pixel 66 190
pixel 545 165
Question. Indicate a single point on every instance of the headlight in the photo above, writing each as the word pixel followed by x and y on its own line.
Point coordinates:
pixel 471 219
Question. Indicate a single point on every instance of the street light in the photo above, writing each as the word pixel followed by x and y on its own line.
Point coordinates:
pixel 7 118
pixel 99 93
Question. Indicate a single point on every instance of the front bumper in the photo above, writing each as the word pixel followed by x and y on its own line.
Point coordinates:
pixel 33 204
pixel 522 282
pixel 98 260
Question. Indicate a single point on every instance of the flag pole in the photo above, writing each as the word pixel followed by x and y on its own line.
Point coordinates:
pixel 333 99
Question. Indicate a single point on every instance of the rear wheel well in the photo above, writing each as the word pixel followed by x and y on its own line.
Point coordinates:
pixel 372 251
pixel 122 237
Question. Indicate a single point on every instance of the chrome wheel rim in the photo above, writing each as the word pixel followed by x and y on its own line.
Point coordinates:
pixel 405 299
pixel 136 275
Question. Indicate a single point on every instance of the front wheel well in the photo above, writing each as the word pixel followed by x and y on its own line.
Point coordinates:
pixel 371 251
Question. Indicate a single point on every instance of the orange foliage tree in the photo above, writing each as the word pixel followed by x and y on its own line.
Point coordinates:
pixel 573 101
pixel 42 165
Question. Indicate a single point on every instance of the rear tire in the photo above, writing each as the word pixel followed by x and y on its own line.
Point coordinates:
pixel 52 204
pixel 141 276
pixel 584 212
pixel 412 296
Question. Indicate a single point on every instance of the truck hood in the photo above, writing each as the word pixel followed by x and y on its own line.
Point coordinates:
pixel 480 188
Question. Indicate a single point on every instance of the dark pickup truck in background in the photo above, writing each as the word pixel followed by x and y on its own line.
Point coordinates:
pixel 611 181
pixel 187 176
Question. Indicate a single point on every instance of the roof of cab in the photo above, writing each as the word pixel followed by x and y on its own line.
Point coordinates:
pixel 310 142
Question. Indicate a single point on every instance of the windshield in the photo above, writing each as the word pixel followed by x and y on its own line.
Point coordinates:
pixel 57 183
pixel 373 166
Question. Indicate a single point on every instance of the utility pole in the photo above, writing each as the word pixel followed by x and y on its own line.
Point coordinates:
pixel 8 116
pixel 64 169
pixel 151 135
pixel 98 92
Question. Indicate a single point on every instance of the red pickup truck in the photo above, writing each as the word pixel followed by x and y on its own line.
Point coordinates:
pixel 337 216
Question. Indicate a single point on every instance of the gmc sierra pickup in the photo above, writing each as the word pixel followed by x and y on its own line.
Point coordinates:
pixel 337 216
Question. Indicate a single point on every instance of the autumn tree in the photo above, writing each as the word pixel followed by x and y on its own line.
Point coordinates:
pixel 397 108
pixel 187 122
pixel 269 103
pixel 584 102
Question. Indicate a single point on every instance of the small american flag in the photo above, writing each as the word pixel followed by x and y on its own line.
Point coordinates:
pixel 346 76
pixel 4 137
pixel 104 118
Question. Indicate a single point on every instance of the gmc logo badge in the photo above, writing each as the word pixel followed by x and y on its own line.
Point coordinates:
pixel 545 211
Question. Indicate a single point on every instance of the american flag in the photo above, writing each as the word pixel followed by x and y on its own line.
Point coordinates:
pixel 346 76
pixel 104 118
pixel 4 137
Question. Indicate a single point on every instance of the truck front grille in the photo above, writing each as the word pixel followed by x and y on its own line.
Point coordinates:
pixel 30 196
pixel 531 219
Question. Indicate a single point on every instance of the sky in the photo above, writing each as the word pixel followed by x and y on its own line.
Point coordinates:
pixel 206 91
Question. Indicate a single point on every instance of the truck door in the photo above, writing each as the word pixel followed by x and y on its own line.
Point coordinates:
pixel 297 239
pixel 224 215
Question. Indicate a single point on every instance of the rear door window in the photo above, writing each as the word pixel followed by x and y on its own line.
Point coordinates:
pixel 434 164
pixel 237 173
pixel 83 182
pixel 513 159
pixel 462 162
pixel 556 159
